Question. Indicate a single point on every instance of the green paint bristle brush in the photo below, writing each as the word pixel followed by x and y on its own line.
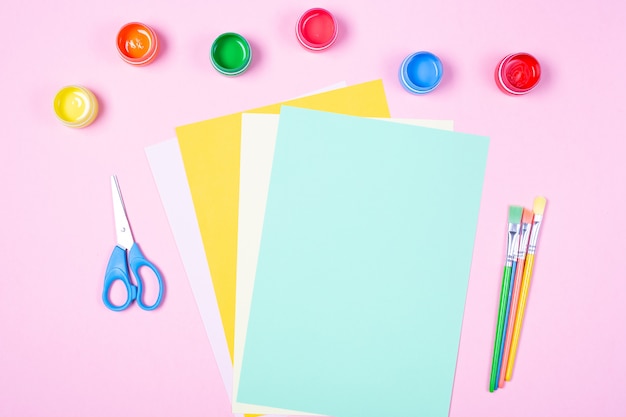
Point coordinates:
pixel 515 219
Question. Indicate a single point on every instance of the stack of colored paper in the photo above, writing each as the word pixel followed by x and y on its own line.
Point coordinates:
pixel 329 252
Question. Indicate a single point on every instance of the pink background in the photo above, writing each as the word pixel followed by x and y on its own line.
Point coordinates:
pixel 62 353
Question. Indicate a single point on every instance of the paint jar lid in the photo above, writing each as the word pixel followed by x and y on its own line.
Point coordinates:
pixel 231 54
pixel 137 43
pixel 316 29
pixel 518 73
pixel 75 106
pixel 421 72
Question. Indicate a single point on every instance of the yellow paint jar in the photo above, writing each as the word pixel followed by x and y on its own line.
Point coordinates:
pixel 75 106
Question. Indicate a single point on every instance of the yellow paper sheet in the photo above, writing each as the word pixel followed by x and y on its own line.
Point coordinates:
pixel 211 149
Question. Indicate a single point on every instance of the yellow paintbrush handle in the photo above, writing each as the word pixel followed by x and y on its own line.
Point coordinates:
pixel 519 317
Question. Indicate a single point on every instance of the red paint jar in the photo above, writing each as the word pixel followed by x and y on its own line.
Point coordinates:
pixel 518 73
pixel 316 29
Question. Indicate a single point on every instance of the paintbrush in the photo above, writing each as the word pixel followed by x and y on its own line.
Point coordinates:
pixel 513 235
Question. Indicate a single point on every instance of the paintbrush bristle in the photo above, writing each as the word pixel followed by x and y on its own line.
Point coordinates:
pixel 515 214
pixel 527 216
pixel 539 205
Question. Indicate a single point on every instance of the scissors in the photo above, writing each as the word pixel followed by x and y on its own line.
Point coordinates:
pixel 126 253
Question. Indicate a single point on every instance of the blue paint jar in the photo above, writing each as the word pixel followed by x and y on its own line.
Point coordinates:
pixel 421 72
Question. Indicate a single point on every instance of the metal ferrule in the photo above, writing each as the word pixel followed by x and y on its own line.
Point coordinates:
pixel 512 243
pixel 525 238
pixel 534 235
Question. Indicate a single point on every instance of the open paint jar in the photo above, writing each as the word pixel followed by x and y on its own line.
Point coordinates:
pixel 316 29
pixel 518 73
pixel 75 106
pixel 231 54
pixel 137 43
pixel 421 72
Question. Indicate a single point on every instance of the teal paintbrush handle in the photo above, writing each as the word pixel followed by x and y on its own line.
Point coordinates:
pixel 504 296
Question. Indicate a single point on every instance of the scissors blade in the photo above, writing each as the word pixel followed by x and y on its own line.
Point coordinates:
pixel 122 227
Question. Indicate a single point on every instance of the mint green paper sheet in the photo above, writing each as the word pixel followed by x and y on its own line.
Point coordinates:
pixel 363 267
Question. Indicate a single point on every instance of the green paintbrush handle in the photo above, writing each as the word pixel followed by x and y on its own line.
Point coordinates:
pixel 506 283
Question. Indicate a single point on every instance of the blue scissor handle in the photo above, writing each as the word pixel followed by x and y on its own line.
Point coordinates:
pixel 117 270
pixel 136 261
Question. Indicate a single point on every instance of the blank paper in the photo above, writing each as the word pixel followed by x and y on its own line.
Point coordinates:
pixel 363 267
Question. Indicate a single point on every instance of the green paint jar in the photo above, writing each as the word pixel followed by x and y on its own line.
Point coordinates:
pixel 231 54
